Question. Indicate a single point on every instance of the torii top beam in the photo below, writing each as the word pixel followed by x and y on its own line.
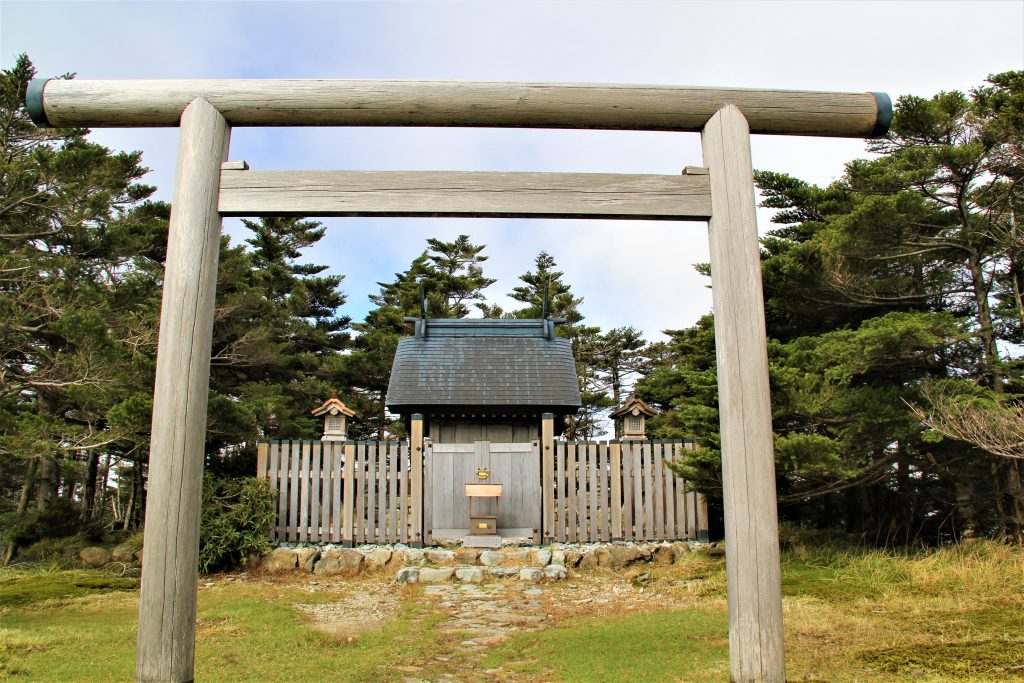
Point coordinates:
pixel 133 103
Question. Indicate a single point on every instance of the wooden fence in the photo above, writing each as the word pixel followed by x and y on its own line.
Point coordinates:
pixel 372 492
pixel 622 491
pixel 343 492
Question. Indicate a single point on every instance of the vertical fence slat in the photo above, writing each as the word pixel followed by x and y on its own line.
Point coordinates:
pixel 649 489
pixel 615 473
pixel 371 481
pixel 294 451
pixel 275 483
pixel 691 515
pixel 582 477
pixel 658 489
pixel 602 491
pixel 336 483
pixel 384 449
pixel 680 496
pixel 315 452
pixel 394 525
pixel 561 453
pixel 627 491
pixel 428 492
pixel 670 494
pixel 403 494
pixel 570 474
pixel 304 447
pixel 360 484
pixel 416 453
pixel 638 492
pixel 326 489
pixel 592 477
pixel 349 496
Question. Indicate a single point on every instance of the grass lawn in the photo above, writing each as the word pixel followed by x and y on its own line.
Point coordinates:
pixel 955 614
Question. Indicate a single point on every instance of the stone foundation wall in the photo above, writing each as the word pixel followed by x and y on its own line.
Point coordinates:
pixel 472 565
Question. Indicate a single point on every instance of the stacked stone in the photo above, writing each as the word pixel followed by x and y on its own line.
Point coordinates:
pixel 471 565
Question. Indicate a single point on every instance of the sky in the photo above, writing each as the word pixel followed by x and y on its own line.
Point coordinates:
pixel 628 272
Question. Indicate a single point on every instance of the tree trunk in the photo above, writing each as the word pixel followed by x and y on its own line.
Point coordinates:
pixel 1013 500
pixel 104 493
pixel 49 477
pixel 138 483
pixel 129 510
pixel 30 481
pixel 68 487
pixel 990 362
pixel 970 526
pixel 89 489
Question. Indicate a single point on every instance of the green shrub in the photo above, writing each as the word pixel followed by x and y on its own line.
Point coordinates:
pixel 236 519
pixel 58 520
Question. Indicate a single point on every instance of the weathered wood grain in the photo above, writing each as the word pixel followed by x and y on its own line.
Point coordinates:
pixel 638 492
pixel 394 525
pixel 561 513
pixel 349 495
pixel 304 477
pixel 99 103
pixel 167 602
pixel 416 478
pixel 604 519
pixel 547 444
pixel 572 470
pixel 465 194
pixel 337 483
pixel 371 491
pixel 403 494
pixel 282 500
pixel 660 504
pixel 428 490
pixel 670 492
pixel 748 463
pixel 359 477
pixel 615 474
pixel 593 533
pixel 261 459
pixel 294 486
pixel 627 491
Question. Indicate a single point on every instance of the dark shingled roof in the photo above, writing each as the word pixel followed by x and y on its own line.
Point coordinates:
pixel 474 362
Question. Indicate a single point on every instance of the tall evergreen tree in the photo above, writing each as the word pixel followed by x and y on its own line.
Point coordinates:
pixel 450 275
pixel 79 251
pixel 897 276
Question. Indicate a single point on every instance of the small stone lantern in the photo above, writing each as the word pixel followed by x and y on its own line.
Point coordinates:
pixel 630 420
pixel 335 415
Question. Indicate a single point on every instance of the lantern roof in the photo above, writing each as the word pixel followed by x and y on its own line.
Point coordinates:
pixel 334 406
pixel 633 406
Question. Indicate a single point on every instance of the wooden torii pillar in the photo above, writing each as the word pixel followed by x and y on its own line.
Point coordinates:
pixel 206 189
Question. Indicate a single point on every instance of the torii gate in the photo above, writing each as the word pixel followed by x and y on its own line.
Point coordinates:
pixel 208 187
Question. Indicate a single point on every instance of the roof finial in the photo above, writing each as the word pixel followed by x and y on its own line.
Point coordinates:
pixel 547 295
pixel 423 301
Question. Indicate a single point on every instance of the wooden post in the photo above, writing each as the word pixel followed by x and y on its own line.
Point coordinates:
pixel 547 446
pixel 167 603
pixel 748 463
pixel 416 477
pixel 261 460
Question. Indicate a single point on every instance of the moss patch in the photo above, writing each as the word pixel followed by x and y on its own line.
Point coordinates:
pixel 18 589
pixel 998 658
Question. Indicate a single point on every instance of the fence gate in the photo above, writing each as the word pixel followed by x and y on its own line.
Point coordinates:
pixel 449 467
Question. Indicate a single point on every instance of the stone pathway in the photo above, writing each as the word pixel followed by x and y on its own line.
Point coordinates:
pixel 480 616
pixel 484 615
